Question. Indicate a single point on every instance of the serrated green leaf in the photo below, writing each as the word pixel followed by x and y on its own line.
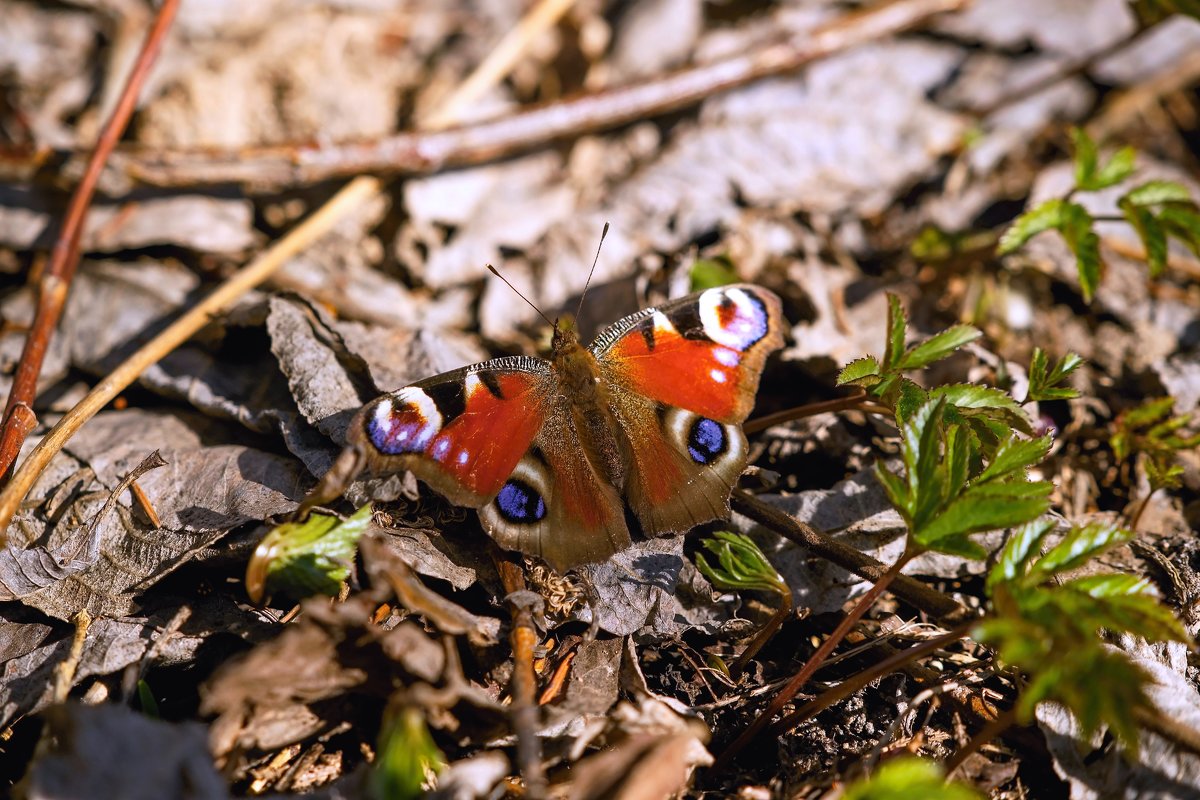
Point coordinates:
pixel 1018 552
pixel 1126 603
pixel 1086 157
pixel 1043 380
pixel 305 558
pixel 1154 193
pixel 1078 232
pixel 709 273
pixel 896 490
pixel 1182 223
pixel 1152 234
pixel 909 399
pixel 1079 545
pixel 937 347
pixel 897 331
pixel 861 372
pixel 1013 456
pixel 1119 167
pixel 909 778
pixel 1163 476
pixel 1043 217
pixel 971 513
pixel 968 398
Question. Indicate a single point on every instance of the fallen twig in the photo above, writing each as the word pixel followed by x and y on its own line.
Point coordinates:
pixel 350 197
pixel 424 152
pixel 60 269
pixel 524 605
pixel 944 608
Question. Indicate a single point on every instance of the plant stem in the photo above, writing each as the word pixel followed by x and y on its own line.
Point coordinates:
pixel 64 258
pixel 352 196
pixel 1003 721
pixel 793 687
pixel 863 679
pixel 945 609
pixel 765 632
pixel 855 400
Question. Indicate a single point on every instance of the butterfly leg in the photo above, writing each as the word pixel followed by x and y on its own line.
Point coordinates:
pixel 333 484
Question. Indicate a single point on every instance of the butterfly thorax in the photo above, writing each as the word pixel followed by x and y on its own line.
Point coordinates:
pixel 581 386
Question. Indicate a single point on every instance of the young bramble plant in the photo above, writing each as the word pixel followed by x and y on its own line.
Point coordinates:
pixel 909 778
pixel 742 566
pixel 1048 625
pixel 1156 210
pixel 1153 431
pixel 947 492
pixel 1045 381
pixel 306 558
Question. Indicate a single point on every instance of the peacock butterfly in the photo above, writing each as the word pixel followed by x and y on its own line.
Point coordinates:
pixel 546 449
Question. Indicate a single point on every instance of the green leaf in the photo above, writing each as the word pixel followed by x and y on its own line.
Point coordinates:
pixel 860 372
pixel 1078 546
pixel 1183 224
pixel 1087 157
pixel 146 702
pixel 1077 230
pixel 1044 382
pixel 1163 475
pixel 971 398
pixel 897 331
pixel 910 398
pixel 1015 456
pixel 305 558
pixel 1118 168
pixel 1152 234
pixel 909 778
pixel 939 346
pixel 1154 193
pixel 741 565
pixel 407 759
pixel 1043 217
pixel 1127 603
pixel 976 513
pixel 709 273
pixel 1019 551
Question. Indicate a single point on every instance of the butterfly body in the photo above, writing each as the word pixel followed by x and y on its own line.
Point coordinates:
pixel 552 451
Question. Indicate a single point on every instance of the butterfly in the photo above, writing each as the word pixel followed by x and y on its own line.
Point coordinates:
pixel 550 451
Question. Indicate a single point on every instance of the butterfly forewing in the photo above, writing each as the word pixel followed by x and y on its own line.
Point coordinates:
pixel 462 432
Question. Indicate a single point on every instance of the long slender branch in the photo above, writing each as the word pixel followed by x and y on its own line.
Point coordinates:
pixel 417 152
pixel 60 269
pixel 793 686
pixel 854 400
pixel 861 680
pixel 523 604
pixel 254 273
pixel 946 609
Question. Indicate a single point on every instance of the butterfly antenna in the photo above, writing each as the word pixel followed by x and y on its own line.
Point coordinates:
pixel 603 233
pixel 523 297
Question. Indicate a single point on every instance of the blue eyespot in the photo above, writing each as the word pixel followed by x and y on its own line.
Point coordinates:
pixel 706 441
pixel 518 502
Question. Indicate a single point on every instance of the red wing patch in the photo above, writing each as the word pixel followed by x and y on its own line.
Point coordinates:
pixel 463 431
pixel 703 353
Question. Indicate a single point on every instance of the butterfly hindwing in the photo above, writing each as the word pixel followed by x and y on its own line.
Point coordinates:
pixel 556 505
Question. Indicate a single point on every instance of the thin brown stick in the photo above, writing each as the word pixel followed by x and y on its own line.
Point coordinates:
pixel 1171 729
pixel 793 686
pixel 863 679
pixel 942 607
pixel 1003 721
pixel 423 152
pixel 60 269
pixel 764 633
pixel 350 197
pixel 855 400
pixel 523 604
pixel 64 673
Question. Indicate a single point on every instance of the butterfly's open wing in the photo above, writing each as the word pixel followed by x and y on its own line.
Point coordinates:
pixel 496 436
pixel 683 377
